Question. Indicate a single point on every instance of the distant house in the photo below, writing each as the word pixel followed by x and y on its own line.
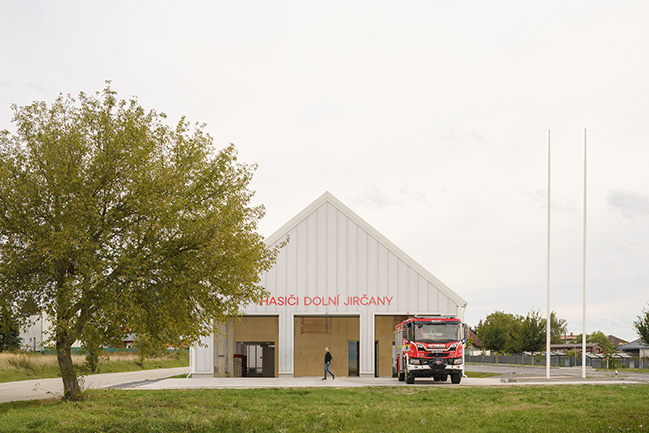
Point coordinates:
pixel 595 348
pixel 37 334
pixel 576 339
pixel 477 347
pixel 477 343
pixel 636 348
pixel 34 336
pixel 567 338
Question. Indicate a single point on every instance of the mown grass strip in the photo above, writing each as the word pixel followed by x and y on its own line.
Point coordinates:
pixel 583 408
pixel 26 366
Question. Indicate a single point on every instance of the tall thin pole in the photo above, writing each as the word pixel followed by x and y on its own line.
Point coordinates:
pixel 583 338
pixel 549 314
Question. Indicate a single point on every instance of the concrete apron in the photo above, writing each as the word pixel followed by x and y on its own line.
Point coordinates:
pixel 160 379
pixel 347 382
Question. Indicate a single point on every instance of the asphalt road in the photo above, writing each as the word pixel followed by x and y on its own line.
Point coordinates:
pixel 557 372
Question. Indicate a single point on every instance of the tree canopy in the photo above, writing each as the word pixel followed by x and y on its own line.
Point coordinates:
pixel 511 333
pixel 533 332
pixel 113 221
pixel 642 326
pixel 496 331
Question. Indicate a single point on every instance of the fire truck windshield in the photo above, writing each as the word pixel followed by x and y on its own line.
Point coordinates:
pixel 437 332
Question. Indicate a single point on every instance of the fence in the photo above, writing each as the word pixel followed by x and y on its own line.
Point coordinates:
pixel 559 361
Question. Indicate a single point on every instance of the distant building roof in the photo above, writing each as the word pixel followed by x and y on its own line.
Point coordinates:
pixel 476 341
pixel 590 347
pixel 634 345
pixel 616 341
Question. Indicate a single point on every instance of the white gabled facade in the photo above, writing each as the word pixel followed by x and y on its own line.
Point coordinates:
pixel 335 263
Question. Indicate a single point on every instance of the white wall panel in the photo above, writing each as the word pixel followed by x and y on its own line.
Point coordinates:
pixel 204 356
pixel 402 286
pixel 321 249
pixel 352 261
pixel 423 290
pixel 291 264
pixel 302 257
pixel 332 252
pixel 342 258
pixel 311 254
pixel 383 279
pixel 372 267
pixel 280 273
pixel 362 240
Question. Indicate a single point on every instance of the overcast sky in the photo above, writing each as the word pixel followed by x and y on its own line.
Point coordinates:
pixel 428 118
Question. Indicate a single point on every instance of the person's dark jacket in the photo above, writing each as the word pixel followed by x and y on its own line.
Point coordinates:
pixel 328 358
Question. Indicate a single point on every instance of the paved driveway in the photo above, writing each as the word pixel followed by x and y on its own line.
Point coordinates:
pixel 48 388
pixel 347 382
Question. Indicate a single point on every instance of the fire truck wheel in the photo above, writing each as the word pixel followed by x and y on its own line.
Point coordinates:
pixel 402 377
pixel 410 379
pixel 444 377
pixel 437 378
pixel 456 378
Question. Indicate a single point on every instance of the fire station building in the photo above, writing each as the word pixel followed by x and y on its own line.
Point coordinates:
pixel 337 283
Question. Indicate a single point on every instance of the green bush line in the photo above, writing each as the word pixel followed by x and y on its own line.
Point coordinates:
pixel 584 408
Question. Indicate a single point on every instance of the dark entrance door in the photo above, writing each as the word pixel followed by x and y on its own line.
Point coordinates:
pixel 352 358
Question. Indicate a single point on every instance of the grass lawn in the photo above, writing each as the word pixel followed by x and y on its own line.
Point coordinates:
pixel 582 408
pixel 31 365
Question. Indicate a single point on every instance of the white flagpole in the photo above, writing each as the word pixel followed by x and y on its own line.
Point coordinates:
pixel 583 339
pixel 549 314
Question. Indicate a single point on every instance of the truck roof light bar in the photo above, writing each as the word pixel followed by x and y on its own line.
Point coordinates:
pixel 434 316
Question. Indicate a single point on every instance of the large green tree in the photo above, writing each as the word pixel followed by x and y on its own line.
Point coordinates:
pixel 533 333
pixel 111 220
pixel 558 328
pixel 642 326
pixel 496 331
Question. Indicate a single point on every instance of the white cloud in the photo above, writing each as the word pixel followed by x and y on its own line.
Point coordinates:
pixel 373 196
pixel 629 204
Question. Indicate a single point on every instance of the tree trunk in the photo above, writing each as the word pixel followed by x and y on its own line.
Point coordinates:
pixel 71 388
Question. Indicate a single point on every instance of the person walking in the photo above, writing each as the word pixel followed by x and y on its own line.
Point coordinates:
pixel 327 360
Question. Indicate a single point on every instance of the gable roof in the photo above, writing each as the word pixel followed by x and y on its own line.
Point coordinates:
pixel 616 340
pixel 327 197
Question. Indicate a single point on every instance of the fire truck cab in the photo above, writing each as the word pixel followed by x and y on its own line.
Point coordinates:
pixel 430 346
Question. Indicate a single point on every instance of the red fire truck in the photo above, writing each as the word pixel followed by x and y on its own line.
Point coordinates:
pixel 430 346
